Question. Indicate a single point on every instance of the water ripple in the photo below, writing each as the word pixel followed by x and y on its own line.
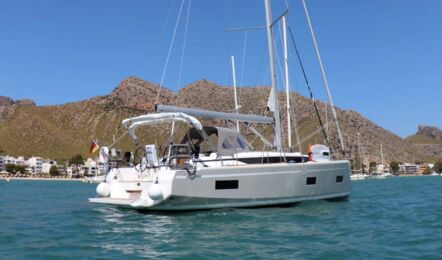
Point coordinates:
pixel 397 218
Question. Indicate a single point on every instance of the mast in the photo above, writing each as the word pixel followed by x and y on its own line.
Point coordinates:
pixel 326 118
pixel 234 89
pixel 324 78
pixel 360 151
pixel 274 91
pixel 287 84
pixel 382 156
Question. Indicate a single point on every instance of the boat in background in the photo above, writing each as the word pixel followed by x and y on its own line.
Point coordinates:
pixel 95 179
pixel 381 174
pixel 358 176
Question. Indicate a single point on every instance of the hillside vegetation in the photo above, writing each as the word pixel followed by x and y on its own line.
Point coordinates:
pixel 64 130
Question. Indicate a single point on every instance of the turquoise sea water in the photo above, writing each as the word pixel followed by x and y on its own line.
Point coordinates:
pixel 399 218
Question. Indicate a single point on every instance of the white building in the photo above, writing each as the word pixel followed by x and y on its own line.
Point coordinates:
pixel 9 160
pixel 4 160
pixel 35 165
pixel 408 168
pixel 73 171
pixel 90 168
pixel 101 168
pixel 2 164
pixel 20 161
pixel 47 164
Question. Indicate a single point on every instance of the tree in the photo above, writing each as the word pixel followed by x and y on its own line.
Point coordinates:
pixel 372 166
pixel 437 167
pixel 427 171
pixel 394 166
pixel 53 171
pixel 12 168
pixel 356 164
pixel 76 159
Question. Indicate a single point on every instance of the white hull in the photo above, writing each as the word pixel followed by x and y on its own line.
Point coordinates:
pixel 358 177
pixel 381 176
pixel 230 186
pixel 95 179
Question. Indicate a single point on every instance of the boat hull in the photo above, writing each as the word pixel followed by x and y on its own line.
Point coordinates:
pixel 239 186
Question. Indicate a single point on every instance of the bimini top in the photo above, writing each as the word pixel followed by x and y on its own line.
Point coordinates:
pixel 229 141
pixel 133 123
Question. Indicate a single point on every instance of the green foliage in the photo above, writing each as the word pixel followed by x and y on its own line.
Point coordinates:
pixel 12 168
pixel 427 170
pixel 356 164
pixel 438 167
pixel 394 166
pixel 54 171
pixel 76 159
pixel 372 166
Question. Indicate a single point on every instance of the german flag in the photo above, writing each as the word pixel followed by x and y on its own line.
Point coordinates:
pixel 94 147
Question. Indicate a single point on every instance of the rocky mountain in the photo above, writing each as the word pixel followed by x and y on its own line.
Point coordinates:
pixel 430 132
pixel 429 140
pixel 63 130
pixel 8 106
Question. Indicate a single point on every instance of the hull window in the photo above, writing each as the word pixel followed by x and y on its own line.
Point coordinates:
pixel 311 180
pixel 226 185
pixel 339 178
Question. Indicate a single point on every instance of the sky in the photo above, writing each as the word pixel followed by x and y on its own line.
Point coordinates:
pixel 382 58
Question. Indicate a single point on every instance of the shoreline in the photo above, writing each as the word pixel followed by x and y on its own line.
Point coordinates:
pixel 40 179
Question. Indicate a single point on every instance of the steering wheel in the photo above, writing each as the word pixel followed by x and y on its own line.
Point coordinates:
pixel 139 155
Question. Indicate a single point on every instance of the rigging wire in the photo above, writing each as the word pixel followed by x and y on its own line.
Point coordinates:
pixel 261 62
pixel 170 51
pixel 244 56
pixel 163 28
pixel 243 61
pixel 183 51
pixel 181 64
pixel 309 88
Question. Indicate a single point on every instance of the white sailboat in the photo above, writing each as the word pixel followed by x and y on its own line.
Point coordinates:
pixel 214 167
pixel 381 174
pixel 359 176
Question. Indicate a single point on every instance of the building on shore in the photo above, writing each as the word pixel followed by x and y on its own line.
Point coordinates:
pixel 9 159
pixel 35 165
pixel 2 163
pixel 90 168
pixel 408 168
pixel 4 160
pixel 20 161
pixel 47 164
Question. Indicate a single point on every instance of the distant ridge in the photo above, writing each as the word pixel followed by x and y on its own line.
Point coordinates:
pixel 63 130
pixel 429 140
